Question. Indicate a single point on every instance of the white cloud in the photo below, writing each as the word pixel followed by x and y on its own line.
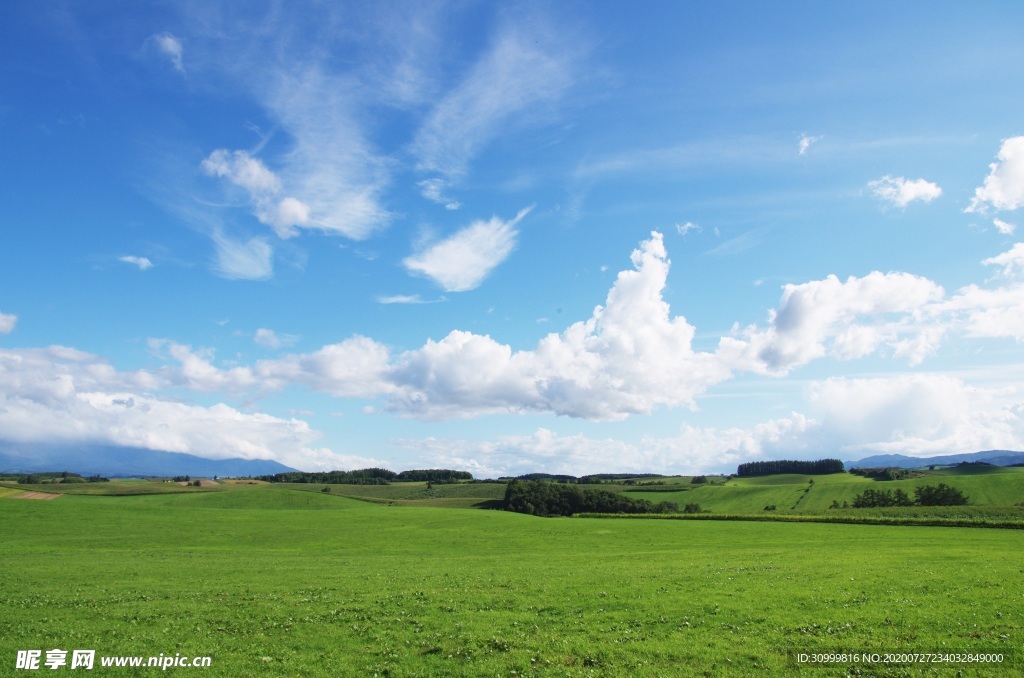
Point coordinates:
pixel 901 192
pixel 845 320
pixel 1003 227
pixel 916 415
pixel 171 47
pixel 249 260
pixel 806 141
pixel 683 229
pixel 1011 261
pixel 629 357
pixel 143 263
pixel 332 168
pixel 198 372
pixel 7 322
pixel 62 395
pixel 632 356
pixel 271 339
pixel 694 450
pixel 405 299
pixel 462 261
pixel 263 187
pixel 1004 186
pixel 432 189
pixel 520 71
pixel 357 367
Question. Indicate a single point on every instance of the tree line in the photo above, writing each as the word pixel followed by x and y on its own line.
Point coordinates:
pixel 61 477
pixel 540 498
pixel 592 479
pixel 925 495
pixel 883 473
pixel 767 468
pixel 369 476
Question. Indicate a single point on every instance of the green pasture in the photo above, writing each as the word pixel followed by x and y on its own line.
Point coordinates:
pixel 275 581
pixel 987 485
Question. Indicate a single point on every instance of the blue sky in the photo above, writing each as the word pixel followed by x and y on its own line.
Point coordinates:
pixel 564 237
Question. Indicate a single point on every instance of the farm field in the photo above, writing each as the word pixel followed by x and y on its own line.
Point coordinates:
pixel 985 486
pixel 272 580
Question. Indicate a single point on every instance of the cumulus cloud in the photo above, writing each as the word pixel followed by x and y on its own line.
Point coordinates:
pixel 143 263
pixel 463 261
pixel 693 450
pixel 62 395
pixel 7 322
pixel 1004 186
pixel 170 47
pixel 916 415
pixel 197 371
pixel 632 355
pixel 356 367
pixel 629 357
pixel 846 320
pixel 901 192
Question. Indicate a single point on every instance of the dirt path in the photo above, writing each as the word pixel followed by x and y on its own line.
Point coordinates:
pixel 35 495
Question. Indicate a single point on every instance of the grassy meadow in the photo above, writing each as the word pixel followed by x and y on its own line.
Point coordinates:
pixel 288 581
pixel 986 486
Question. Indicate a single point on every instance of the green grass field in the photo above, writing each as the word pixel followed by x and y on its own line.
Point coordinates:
pixel 989 486
pixel 272 580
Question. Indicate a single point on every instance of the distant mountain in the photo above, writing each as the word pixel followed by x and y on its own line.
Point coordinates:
pixel 113 461
pixel 996 457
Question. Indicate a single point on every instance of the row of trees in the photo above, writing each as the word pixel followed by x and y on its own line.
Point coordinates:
pixel 63 477
pixel 592 479
pixel 886 473
pixel 369 476
pixel 767 468
pixel 925 495
pixel 540 498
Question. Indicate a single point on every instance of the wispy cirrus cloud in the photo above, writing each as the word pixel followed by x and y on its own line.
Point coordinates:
pixel 524 68
pixel 407 299
pixel 683 229
pixel 806 141
pixel 901 191
pixel 1004 227
pixel 268 338
pixel 463 261
pixel 251 259
pixel 170 47
pixel 142 263
pixel 263 188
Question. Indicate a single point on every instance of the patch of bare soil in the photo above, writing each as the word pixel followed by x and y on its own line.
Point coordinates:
pixel 36 495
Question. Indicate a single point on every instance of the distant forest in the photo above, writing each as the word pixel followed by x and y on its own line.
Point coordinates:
pixel 767 468
pixel 540 498
pixel 592 479
pixel 369 476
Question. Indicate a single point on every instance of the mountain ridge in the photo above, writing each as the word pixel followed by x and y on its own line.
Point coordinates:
pixel 995 457
pixel 115 461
